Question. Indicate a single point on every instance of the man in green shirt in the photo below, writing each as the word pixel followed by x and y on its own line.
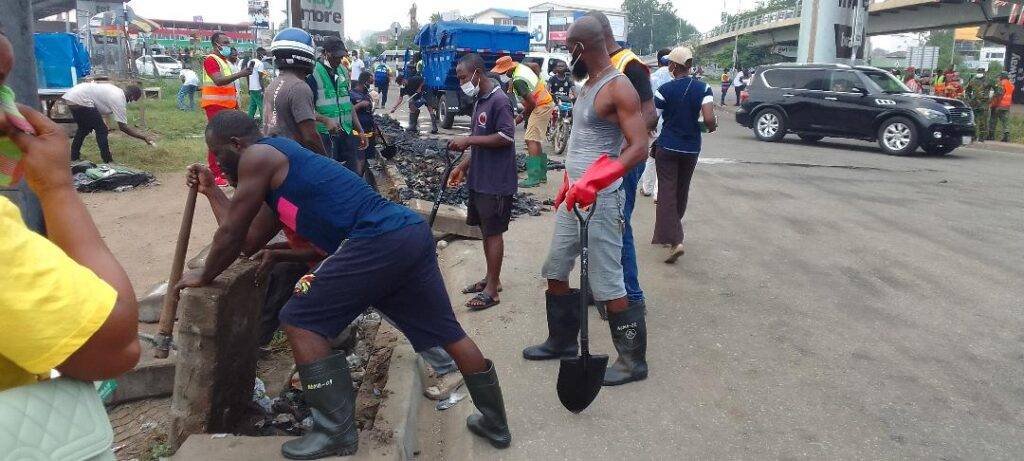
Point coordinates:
pixel 338 124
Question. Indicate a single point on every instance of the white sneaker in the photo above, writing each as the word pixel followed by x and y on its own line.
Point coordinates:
pixel 674 253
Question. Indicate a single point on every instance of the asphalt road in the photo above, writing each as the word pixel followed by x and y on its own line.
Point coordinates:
pixel 833 303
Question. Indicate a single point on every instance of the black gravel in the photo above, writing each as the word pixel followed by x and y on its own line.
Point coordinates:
pixel 422 163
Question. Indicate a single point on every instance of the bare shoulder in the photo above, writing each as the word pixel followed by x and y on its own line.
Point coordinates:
pixel 618 92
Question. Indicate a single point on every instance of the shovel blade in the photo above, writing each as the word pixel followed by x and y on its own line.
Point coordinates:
pixel 389 152
pixel 579 381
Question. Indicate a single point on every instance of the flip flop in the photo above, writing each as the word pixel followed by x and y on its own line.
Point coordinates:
pixel 484 298
pixel 476 288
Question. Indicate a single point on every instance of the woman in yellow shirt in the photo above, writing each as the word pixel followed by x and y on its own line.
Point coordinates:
pixel 65 302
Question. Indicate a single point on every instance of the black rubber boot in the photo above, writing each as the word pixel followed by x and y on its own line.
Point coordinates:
pixel 629 334
pixel 327 389
pixel 563 328
pixel 491 422
pixel 414 122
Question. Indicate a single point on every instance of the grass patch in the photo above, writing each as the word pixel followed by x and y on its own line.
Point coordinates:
pixel 179 133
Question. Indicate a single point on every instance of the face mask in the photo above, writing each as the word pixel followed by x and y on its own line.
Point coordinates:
pixel 504 78
pixel 469 88
pixel 225 50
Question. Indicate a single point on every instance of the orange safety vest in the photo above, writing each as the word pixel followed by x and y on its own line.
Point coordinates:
pixel 1007 99
pixel 538 88
pixel 213 95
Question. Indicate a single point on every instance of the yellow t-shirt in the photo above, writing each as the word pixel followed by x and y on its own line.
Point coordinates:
pixel 49 304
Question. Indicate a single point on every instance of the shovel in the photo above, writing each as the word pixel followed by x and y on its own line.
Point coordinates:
pixel 170 307
pixel 449 166
pixel 581 378
pixel 387 150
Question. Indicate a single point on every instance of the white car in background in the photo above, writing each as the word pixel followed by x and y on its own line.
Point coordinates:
pixel 546 61
pixel 166 66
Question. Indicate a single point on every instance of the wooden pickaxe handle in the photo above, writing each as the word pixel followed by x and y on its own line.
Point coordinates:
pixel 170 308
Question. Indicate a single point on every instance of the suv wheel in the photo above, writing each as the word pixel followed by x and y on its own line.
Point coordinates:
pixel 811 137
pixel 769 125
pixel 939 150
pixel 898 136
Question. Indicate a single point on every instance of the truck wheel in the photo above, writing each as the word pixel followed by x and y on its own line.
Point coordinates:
pixel 447 118
pixel 769 125
pixel 898 136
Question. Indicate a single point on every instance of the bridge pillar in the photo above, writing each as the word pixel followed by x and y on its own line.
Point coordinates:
pixel 832 31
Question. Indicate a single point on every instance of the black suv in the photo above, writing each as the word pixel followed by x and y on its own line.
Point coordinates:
pixel 859 102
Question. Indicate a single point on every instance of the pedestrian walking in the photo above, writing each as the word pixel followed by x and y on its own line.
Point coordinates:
pixel 609 137
pixel 338 125
pixel 649 180
pixel 537 107
pixel 739 83
pixel 89 102
pixel 219 91
pixel 388 260
pixel 726 83
pixel 256 80
pixel 683 101
pixel 189 86
pixel 1002 99
pixel 419 96
pixel 976 95
pixel 357 66
pixel 362 104
pixel 490 173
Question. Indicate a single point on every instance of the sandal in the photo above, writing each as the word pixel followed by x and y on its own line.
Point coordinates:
pixel 476 288
pixel 482 301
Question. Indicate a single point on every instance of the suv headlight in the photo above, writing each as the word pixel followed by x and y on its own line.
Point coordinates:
pixel 933 115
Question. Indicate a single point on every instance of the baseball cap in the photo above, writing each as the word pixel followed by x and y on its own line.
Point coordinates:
pixel 680 55
pixel 503 65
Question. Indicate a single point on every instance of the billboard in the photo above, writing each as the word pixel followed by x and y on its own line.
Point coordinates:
pixel 323 17
pixel 538 28
pixel 618 23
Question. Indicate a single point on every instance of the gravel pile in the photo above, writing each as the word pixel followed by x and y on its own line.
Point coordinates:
pixel 422 163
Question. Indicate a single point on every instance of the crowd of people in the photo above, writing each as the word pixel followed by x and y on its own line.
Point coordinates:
pixel 989 95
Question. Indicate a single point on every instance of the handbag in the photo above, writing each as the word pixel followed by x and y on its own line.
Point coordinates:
pixel 59 419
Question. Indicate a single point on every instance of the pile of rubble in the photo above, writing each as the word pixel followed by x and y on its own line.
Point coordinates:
pixel 422 163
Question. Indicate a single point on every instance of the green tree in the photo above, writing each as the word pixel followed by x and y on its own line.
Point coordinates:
pixel 944 40
pixel 436 17
pixel 659 17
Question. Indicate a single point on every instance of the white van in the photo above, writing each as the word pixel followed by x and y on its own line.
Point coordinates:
pixel 547 61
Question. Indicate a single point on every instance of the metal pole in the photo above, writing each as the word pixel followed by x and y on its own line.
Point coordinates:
pixel 17 26
pixel 295 10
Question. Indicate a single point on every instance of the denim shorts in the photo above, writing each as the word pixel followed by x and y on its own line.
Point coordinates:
pixel 604 245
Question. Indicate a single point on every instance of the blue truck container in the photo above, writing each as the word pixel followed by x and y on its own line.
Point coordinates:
pixel 443 43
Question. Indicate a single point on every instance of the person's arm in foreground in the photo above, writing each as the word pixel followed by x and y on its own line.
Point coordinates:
pixel 520 88
pixel 310 138
pixel 114 348
pixel 264 227
pixel 357 130
pixel 255 169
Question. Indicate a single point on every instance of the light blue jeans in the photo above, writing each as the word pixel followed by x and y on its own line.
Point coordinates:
pixel 190 91
pixel 630 270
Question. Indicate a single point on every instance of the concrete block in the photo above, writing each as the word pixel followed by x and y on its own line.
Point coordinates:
pixel 151 305
pixel 450 219
pixel 216 341
pixel 152 377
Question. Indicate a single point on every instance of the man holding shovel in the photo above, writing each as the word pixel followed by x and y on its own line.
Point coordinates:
pixel 387 260
pixel 607 110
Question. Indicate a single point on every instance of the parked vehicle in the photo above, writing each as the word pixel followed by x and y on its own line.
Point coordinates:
pixel 815 101
pixel 547 62
pixel 443 43
pixel 166 66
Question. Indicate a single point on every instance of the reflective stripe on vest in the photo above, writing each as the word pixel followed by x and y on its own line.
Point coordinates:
pixel 214 95
pixel 538 89
pixel 332 99
pixel 623 57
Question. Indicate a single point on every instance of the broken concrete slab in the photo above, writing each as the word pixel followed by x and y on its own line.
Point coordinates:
pixel 450 219
pixel 152 377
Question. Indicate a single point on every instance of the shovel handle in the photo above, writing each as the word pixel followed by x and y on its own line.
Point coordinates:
pixel 170 307
pixel 584 275
pixel 449 166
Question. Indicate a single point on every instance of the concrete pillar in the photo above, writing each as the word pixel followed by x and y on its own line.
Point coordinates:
pixel 832 31
pixel 216 338
pixel 16 24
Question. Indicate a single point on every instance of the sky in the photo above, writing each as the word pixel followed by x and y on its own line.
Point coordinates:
pixel 364 16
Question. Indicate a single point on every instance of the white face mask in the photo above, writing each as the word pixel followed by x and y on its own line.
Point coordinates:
pixel 469 88
pixel 504 78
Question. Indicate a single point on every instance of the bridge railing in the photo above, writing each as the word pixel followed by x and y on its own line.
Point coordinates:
pixel 754 21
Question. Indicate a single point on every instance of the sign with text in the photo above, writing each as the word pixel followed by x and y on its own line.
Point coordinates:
pixel 322 18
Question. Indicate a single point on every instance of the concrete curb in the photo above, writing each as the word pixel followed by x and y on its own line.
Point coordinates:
pixel 399 413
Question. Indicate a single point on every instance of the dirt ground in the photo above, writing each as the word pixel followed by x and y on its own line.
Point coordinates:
pixel 141 227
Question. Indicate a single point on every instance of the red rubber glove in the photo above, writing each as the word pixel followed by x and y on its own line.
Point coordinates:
pixel 561 192
pixel 600 175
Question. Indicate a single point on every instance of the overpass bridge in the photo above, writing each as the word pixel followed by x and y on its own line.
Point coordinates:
pixel 782 27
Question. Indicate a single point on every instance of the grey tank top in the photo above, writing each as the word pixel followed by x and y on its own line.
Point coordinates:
pixel 592 135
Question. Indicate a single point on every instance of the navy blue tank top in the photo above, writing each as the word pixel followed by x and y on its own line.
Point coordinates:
pixel 325 203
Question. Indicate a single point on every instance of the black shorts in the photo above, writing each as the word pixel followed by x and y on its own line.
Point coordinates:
pixel 396 273
pixel 492 213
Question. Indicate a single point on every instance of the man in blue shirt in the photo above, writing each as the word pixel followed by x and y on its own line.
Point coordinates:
pixel 682 103
pixel 379 253
pixel 491 168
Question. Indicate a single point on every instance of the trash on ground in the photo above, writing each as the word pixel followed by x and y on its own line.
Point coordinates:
pixel 451 401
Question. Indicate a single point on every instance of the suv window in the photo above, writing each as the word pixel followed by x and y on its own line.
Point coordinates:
pixel 797 79
pixel 780 78
pixel 844 81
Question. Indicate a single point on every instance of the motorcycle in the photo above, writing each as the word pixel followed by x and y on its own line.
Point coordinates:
pixel 560 126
